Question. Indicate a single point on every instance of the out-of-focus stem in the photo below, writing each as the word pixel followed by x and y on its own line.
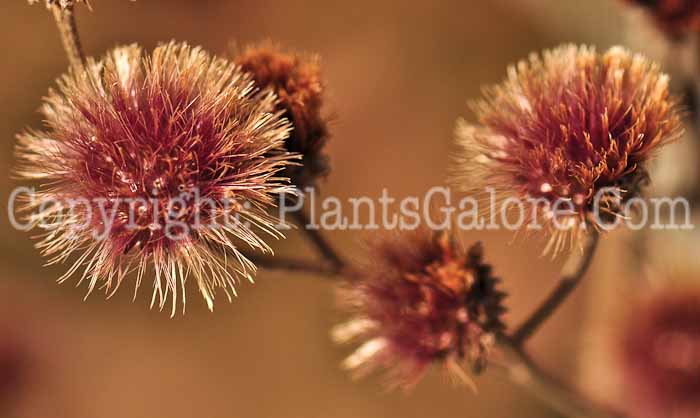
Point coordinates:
pixel 558 395
pixel 567 284
pixel 295 265
pixel 65 20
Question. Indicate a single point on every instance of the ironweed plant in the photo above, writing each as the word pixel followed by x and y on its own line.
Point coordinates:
pixel 168 167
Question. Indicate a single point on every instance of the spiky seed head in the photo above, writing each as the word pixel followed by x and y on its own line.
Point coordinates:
pixel 660 355
pixel 173 153
pixel 297 80
pixel 676 18
pixel 421 300
pixel 565 127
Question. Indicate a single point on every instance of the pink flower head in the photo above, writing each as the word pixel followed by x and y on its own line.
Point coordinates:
pixel 660 356
pixel 566 130
pixel 175 157
pixel 676 18
pixel 422 300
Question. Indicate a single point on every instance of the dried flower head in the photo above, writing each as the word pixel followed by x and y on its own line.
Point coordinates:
pixel 296 79
pixel 170 155
pixel 422 300
pixel 660 356
pixel 563 128
pixel 677 18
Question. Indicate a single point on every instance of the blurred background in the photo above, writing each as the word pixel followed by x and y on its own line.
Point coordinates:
pixel 399 74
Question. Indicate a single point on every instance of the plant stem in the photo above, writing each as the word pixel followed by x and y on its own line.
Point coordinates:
pixel 320 242
pixel 65 20
pixel 557 394
pixel 567 285
pixel 294 265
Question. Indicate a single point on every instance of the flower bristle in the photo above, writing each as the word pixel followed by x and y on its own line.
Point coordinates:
pixel 297 81
pixel 150 129
pixel 421 300
pixel 660 355
pixel 564 126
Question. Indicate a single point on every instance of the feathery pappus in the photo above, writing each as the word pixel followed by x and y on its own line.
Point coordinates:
pixel 172 154
pixel 565 128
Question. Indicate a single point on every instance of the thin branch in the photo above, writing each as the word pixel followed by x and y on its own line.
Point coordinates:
pixel 294 265
pixel 65 20
pixel 566 286
pixel 320 242
pixel 554 392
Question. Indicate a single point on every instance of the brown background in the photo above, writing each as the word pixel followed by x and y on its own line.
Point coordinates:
pixel 399 74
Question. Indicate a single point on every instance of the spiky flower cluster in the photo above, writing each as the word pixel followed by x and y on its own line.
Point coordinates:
pixel 677 18
pixel 422 300
pixel 660 355
pixel 171 154
pixel 562 128
pixel 297 81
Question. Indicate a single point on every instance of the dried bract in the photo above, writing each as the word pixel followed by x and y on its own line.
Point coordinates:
pixel 296 79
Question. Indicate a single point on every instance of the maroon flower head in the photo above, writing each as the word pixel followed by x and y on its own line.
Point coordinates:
pixel 660 356
pixel 296 79
pixel 422 300
pixel 171 155
pixel 14 373
pixel 677 18
pixel 564 128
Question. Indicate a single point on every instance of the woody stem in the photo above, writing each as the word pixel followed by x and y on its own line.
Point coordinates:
pixel 295 265
pixel 567 284
pixel 319 241
pixel 65 20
